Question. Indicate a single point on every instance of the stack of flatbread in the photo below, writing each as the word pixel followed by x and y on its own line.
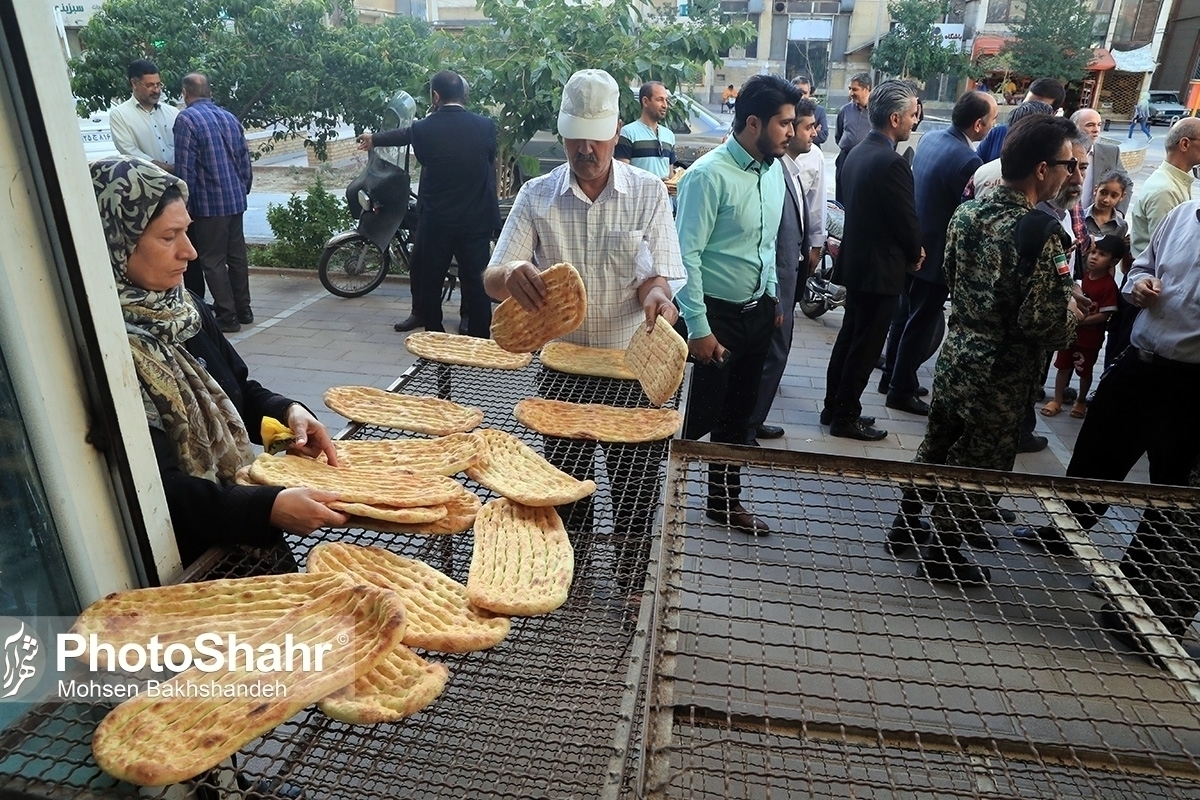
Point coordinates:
pixel 406 412
pixel 467 351
pixel 672 180
pixel 377 496
pixel 564 307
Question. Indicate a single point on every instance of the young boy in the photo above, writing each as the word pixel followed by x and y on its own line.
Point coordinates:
pixel 1101 289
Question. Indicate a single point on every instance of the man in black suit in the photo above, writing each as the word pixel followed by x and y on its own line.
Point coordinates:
pixel 882 242
pixel 456 203
pixel 941 168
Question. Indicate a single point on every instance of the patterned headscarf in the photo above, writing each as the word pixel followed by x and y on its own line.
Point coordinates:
pixel 180 397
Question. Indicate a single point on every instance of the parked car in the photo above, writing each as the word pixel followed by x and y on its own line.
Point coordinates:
pixel 697 132
pixel 1165 108
pixel 96 135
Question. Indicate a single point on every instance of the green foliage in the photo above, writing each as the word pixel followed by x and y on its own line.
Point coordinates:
pixel 270 62
pixel 302 225
pixel 517 66
pixel 1054 40
pixel 913 49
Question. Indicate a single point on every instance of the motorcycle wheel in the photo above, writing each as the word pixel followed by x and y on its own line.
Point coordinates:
pixel 935 339
pixel 812 305
pixel 353 268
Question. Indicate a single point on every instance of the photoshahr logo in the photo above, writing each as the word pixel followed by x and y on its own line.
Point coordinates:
pixel 23 658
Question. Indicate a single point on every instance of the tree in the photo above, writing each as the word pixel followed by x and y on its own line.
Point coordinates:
pixel 913 48
pixel 271 62
pixel 1054 40
pixel 518 66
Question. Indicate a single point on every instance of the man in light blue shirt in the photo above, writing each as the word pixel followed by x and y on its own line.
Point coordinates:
pixel 730 204
pixel 646 143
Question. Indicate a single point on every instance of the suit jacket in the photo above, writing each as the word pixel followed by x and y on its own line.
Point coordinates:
pixel 791 243
pixel 457 152
pixel 882 236
pixel 943 164
pixel 1105 158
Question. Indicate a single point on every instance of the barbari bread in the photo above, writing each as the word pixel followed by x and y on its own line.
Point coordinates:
pixel 467 351
pixel 445 455
pixel 522 563
pixel 401 684
pixel 406 412
pixel 564 307
pixel 576 359
pixel 155 740
pixel 514 470
pixel 657 358
pixel 597 422
pixel 439 615
pixel 377 486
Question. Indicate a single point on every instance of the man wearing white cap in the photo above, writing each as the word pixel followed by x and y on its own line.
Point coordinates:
pixel 730 205
pixel 612 221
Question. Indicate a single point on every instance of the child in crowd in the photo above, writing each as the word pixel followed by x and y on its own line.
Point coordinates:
pixel 1101 289
pixel 1103 218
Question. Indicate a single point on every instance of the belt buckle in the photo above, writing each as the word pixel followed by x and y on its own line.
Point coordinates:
pixel 750 306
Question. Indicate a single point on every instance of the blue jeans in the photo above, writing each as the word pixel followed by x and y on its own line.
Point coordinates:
pixel 1145 123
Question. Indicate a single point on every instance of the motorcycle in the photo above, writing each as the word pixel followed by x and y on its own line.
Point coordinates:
pixel 820 293
pixel 381 199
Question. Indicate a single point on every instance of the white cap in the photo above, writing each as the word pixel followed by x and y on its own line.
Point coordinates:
pixel 590 107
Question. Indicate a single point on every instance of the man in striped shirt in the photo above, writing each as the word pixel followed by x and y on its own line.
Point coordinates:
pixel 646 143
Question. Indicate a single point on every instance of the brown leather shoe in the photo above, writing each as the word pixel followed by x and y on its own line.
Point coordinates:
pixel 741 519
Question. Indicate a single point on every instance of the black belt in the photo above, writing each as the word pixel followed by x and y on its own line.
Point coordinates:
pixel 737 308
pixel 1146 357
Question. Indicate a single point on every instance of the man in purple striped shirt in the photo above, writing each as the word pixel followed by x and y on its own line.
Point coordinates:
pixel 211 156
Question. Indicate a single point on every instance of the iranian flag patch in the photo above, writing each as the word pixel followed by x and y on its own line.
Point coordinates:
pixel 1060 262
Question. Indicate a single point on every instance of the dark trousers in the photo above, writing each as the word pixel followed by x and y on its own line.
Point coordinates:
pixel 221 262
pixel 911 332
pixel 1162 561
pixel 435 249
pixel 723 397
pixel 856 351
pixel 837 174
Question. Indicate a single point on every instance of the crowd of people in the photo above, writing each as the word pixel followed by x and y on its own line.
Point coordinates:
pixel 1033 246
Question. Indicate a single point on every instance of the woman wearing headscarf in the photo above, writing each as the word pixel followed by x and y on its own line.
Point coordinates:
pixel 202 407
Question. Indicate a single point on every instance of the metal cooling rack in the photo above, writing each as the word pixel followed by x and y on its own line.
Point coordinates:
pixel 812 663
pixel 550 712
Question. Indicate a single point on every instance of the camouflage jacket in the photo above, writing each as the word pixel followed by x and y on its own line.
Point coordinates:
pixel 994 304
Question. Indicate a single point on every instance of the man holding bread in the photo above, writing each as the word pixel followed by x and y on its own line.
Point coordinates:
pixel 613 222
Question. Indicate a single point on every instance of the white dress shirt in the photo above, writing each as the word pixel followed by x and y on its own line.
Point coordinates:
pixel 145 134
pixel 1171 327
pixel 617 242
pixel 812 185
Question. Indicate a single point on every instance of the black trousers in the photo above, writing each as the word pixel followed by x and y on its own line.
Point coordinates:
pixel 912 329
pixel 1163 559
pixel 837 174
pixel 859 343
pixel 434 249
pixel 221 262
pixel 723 396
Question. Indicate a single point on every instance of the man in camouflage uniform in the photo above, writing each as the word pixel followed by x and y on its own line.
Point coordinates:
pixel 1012 287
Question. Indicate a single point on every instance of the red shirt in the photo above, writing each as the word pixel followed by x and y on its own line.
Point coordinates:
pixel 1103 292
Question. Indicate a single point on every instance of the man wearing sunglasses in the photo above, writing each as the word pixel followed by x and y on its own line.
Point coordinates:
pixel 1007 267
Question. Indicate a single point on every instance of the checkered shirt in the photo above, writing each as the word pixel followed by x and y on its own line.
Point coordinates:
pixel 211 156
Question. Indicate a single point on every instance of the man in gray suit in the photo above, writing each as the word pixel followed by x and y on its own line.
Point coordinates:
pixel 1102 158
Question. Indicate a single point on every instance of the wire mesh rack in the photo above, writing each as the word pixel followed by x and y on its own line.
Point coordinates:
pixel 812 662
pixel 549 712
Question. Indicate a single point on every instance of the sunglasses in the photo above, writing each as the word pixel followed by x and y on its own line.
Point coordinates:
pixel 1072 165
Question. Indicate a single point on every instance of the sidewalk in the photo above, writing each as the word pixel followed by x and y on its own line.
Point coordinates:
pixel 306 340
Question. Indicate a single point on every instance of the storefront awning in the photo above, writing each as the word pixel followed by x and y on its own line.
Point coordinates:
pixel 988 45
pixel 1101 60
pixel 1138 60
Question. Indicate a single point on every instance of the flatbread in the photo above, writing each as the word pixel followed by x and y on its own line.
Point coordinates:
pixel 399 686
pixel 522 563
pixel 406 412
pixel 657 358
pixel 439 615
pixel 519 473
pixel 565 306
pixel 597 422
pixel 181 612
pixel 154 741
pixel 446 455
pixel 576 359
pixel 460 516
pixel 377 486
pixel 467 351
pixel 418 515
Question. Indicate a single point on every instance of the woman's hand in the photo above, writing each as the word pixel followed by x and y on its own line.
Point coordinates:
pixel 302 511
pixel 312 438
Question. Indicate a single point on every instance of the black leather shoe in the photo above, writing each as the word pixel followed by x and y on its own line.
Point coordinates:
pixel 741 519
pixel 229 326
pixel 922 391
pixel 768 432
pixel 1032 444
pixel 909 403
pixel 1043 537
pixel 246 317
pixel 857 430
pixel 885 388
pixel 948 564
pixel 827 418
pixel 462 328
pixel 411 323
pixel 907 532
